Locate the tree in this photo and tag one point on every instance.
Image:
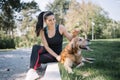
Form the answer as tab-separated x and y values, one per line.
80	15
101	20
7	13
27	25
8	8
59	7
117	30
8	19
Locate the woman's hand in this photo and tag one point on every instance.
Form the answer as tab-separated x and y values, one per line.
58	58
75	32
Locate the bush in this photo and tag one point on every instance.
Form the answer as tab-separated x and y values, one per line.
6	43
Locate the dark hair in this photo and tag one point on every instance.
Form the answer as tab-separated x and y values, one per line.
42	16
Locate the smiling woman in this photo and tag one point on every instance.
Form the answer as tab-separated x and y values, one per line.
52	38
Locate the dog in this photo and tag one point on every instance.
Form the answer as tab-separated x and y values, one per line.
71	54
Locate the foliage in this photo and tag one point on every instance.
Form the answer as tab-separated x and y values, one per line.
27	29
8	25
82	15
59	8
7	43
6	15
85	13
29	5
112	30
26	42
105	67
100	21
13	4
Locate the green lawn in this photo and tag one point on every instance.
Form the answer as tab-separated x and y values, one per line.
105	67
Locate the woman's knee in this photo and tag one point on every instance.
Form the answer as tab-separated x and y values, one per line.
35	46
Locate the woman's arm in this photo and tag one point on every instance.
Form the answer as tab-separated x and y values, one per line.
46	45
68	35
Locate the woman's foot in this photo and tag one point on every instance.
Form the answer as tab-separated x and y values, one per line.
42	68
32	75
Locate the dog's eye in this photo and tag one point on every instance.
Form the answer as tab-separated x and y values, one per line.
80	39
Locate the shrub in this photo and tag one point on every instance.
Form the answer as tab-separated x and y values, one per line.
6	43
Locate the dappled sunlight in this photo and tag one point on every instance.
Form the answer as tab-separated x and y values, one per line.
92	74
84	73
99	77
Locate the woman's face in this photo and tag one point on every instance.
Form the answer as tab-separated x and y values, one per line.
50	20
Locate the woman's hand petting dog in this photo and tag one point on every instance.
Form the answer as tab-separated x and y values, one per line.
58	58
75	32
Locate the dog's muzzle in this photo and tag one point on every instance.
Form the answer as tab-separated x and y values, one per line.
86	47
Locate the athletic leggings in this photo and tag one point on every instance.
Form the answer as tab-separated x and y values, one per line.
40	55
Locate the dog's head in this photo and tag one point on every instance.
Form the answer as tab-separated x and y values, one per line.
80	43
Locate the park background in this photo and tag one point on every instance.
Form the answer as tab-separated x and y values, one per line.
18	20
97	20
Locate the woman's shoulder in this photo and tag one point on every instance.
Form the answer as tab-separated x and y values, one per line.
61	28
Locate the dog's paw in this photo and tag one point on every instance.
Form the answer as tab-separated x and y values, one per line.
70	72
81	64
90	59
91	50
90	62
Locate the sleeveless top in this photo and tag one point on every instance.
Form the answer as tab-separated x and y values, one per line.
55	42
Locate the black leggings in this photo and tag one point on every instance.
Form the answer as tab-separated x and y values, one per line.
40	55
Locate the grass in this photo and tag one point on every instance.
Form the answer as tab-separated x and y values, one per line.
105	67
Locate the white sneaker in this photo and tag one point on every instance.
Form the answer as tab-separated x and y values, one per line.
32	75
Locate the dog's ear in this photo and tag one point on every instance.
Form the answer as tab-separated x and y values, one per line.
73	47
74	41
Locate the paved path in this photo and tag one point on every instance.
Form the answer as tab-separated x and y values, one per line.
14	64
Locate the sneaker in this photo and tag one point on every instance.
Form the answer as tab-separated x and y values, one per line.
42	68
32	75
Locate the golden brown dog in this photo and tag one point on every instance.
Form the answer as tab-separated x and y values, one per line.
71	54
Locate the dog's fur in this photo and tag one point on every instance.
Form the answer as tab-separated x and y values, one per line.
71	54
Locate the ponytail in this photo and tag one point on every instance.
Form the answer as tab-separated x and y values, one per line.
42	16
39	24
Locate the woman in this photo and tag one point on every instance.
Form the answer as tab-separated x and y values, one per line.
52	38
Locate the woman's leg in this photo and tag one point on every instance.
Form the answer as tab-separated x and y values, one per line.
46	58
34	59
40	55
